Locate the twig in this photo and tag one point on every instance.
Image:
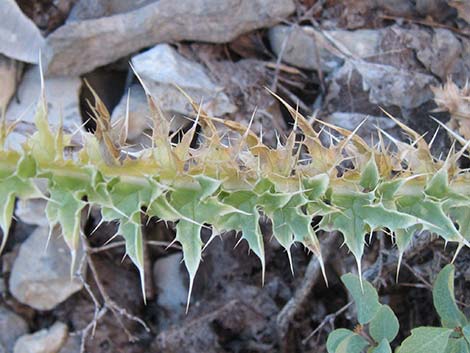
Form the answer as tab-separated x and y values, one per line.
328	319
296	303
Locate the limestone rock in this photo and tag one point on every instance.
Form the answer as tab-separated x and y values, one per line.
162	67
62	95
8	75
12	326
89	9
370	85
40	277
20	39
79	47
309	49
45	341
170	282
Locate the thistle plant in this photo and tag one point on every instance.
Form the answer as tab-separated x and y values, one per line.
226	184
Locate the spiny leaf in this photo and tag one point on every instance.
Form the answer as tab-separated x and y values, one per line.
370	175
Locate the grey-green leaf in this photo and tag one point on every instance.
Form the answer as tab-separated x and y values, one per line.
444	300
383	347
426	340
365	297
384	325
345	341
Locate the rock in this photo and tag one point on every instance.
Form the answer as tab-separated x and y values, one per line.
32	211
368	130
50	283
8	77
62	95
162	67
72	345
385	85
89	9
208	333
46	14
20	39
45	341
12	326
396	7
309	49
171	286
79	47
303	47
438	9
443	54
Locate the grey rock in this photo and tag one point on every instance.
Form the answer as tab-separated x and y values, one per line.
162	67
72	345
368	130
12	326
44	341
385	85
309	49
62	95
396	7
170	281
8	78
303	47
40	276
32	211
79	47
20	39
89	9
443	54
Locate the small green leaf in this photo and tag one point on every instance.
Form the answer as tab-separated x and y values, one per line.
444	299
345	341
384	325
370	175
383	347
316	186
426	340
365	297
466	332
457	345
438	186
131	231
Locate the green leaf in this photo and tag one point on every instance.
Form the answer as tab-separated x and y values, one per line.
247	222
461	215
379	217
466	332
370	175
349	222
10	188
431	215
64	208
444	299
365	297
315	187
457	345
345	341
438	186
384	326
383	347
131	231
426	340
